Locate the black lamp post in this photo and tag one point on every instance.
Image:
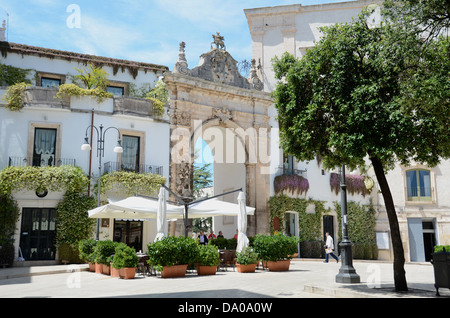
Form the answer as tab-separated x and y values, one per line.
347	274
100	153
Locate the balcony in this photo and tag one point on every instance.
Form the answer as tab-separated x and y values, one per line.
289	171
40	162
45	97
111	166
419	194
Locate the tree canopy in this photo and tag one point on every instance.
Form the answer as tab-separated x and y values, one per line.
368	91
362	91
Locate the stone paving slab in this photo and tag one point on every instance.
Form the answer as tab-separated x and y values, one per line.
305	279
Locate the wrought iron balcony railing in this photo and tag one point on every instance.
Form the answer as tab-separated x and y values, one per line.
49	161
111	166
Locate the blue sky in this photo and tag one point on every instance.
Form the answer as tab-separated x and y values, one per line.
141	30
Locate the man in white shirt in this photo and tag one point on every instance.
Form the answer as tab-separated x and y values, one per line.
329	247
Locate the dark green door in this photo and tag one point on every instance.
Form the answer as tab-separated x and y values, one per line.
38	234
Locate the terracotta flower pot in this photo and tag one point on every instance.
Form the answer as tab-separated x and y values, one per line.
127	272
98	268
91	267
106	269
114	271
206	270
249	268
174	271
279	266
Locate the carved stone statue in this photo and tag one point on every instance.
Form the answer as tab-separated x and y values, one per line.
181	66
218	41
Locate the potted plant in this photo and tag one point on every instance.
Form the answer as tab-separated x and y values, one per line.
277	250
126	260
441	267
114	272
172	255
208	260
103	250
246	261
86	249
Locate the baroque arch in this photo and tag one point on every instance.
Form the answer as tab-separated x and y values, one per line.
214	99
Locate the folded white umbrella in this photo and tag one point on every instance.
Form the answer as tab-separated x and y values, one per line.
161	221
242	239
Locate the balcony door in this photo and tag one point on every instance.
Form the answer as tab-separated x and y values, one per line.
131	153
44	147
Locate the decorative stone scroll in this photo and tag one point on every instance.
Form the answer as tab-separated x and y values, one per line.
218	66
223	114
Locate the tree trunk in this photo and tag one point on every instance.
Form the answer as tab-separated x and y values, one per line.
399	257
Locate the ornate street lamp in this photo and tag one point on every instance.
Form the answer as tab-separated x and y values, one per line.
347	274
100	153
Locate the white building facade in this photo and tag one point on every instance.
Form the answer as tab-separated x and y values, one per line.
49	131
419	191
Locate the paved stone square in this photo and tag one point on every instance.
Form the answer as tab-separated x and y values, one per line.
305	279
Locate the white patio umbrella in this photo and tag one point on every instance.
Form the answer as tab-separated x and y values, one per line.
216	207
242	240
134	208
143	208
161	221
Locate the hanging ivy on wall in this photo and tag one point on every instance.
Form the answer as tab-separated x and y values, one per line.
9	215
64	178
73	223
73	90
295	183
131	182
360	220
310	224
15	96
10	75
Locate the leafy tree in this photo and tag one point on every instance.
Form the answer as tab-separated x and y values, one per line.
429	18
202	178
95	77
345	101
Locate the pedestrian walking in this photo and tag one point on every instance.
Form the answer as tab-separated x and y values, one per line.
329	248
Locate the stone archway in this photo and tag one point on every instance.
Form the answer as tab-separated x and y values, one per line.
214	94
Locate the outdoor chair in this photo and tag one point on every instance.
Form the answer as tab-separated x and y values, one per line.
227	258
143	268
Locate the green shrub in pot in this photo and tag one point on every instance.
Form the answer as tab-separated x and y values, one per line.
124	257
246	257
171	251
87	249
208	255
275	247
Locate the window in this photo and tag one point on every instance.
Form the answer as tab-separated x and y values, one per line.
50	82
131	153
129	232
115	90
288	164
418	185
44	147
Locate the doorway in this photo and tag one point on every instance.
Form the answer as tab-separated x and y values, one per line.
422	239
429	239
129	232
38	234
328	226
291	224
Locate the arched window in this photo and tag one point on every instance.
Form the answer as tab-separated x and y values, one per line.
418	185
